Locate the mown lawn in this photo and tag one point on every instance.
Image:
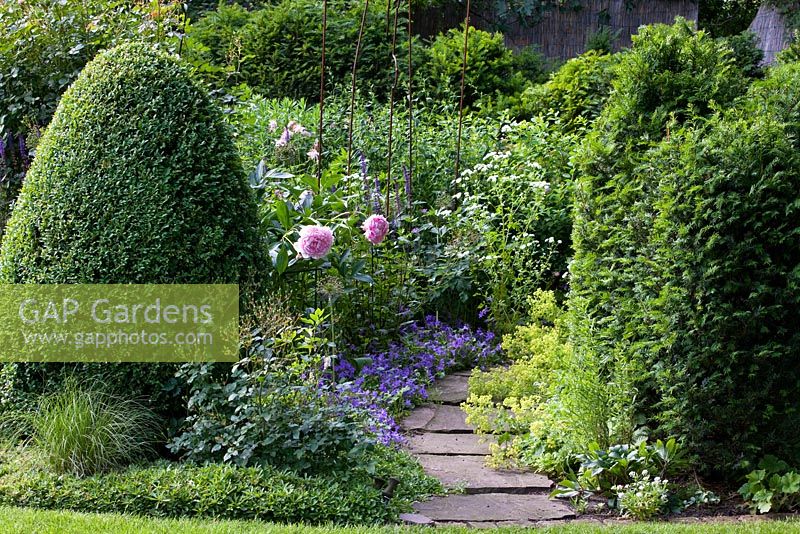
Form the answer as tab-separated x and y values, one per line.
23	520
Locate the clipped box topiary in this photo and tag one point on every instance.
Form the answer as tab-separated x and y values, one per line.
136	180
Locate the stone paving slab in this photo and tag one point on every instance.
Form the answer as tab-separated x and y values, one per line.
419	417
492	508
438	418
415	519
470	473
450	390
485	524
450	444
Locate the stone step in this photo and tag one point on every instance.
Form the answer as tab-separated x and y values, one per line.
470	473
415	519
451	390
493	507
437	418
450	444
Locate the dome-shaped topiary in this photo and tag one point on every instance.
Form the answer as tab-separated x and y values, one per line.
135	181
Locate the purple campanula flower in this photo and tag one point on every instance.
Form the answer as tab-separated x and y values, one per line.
397	377
362	160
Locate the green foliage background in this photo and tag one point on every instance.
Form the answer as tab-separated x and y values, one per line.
276	48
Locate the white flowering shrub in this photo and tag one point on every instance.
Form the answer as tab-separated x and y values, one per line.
513	218
644	498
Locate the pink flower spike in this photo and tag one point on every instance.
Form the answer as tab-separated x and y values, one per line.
313	154
315	242
273	125
375	228
283	140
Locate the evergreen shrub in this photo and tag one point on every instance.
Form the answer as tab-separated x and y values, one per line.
726	237
137	180
575	93
492	69
624	268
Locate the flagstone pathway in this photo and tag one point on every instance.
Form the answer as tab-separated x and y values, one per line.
448	449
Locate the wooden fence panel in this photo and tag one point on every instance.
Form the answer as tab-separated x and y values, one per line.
563	34
770	28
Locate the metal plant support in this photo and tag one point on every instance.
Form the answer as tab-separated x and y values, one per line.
461	98
322	95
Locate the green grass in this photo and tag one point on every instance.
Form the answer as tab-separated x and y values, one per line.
27	521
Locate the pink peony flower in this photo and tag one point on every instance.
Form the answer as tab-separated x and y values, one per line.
315	242
375	228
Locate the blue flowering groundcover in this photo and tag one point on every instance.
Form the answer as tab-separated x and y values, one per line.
397	378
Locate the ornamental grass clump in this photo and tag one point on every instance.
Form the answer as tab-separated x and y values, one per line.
83	431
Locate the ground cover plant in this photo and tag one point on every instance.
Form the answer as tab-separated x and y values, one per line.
221	491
